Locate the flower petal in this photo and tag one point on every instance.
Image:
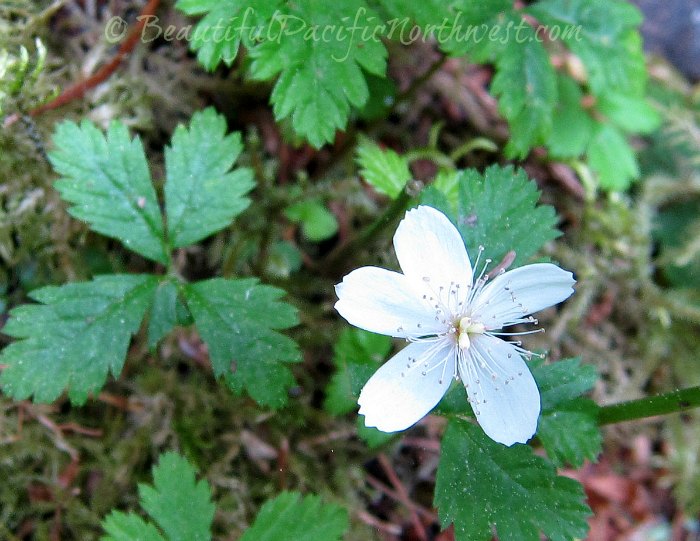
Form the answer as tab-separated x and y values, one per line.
501	390
408	386
384	302
520	292
428	246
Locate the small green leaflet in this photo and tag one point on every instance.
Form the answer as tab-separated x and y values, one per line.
107	180
177	503
163	314
202	196
319	78
568	425
78	334
317	222
291	516
572	125
500	224
239	320
482	485
356	356
610	155
384	170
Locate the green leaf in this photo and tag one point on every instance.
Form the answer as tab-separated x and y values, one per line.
572	125
356	356
289	516
630	113
317	222
163	315
179	504
611	157
568	426
78	334
372	437
603	35
107	180
526	86
226	24
383	169
320	76
238	320
202	196
499	223
129	527
482	485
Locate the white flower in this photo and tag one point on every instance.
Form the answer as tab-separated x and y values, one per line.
452	319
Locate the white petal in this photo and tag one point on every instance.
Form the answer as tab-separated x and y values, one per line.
428	245
384	302
520	292
404	389
501	390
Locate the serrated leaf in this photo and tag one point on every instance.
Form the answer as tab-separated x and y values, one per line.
526	86
78	334
603	36
128	527
630	113
239	320
163	314
355	356
320	78
383	169
612	158
179	504
482	485
202	195
317	222
107	180
501	224
563	381
226	24
572	125
291	516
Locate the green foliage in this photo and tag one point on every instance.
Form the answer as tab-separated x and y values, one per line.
317	222
163	314
78	334
107	180
202	196
178	504
355	356
238	320
501	224
483	485
568	425
572	126
291	516
611	156
383	169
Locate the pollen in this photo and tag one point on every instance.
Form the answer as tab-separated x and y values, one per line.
466	327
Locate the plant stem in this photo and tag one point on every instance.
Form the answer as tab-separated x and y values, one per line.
673	402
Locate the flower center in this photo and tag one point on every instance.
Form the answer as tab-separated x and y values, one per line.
466	327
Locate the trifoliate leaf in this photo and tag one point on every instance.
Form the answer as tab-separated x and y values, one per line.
129	527
611	157
107	180
383	169
526	86
501	224
291	516
238	320
568	426
202	196
572	126
356	357
179	504
320	75
226	24
163	315
78	334
482	485
630	113
317	222
603	36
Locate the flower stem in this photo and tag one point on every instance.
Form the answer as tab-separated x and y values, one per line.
675	401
